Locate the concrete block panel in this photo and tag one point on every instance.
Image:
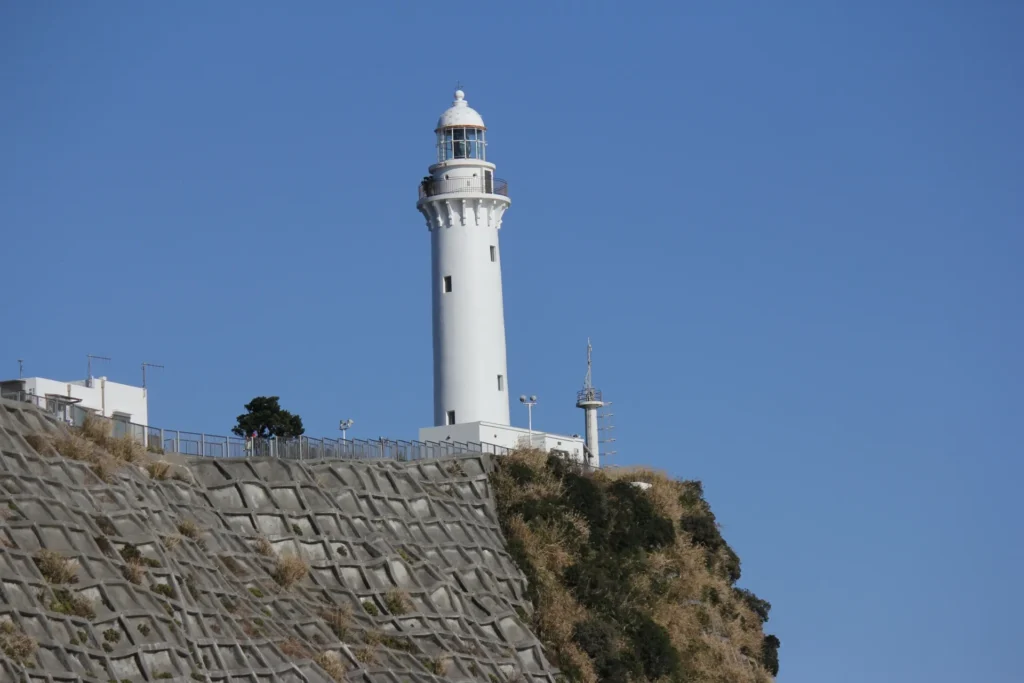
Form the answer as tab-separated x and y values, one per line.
255	570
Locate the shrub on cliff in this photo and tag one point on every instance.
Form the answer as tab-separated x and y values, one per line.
629	584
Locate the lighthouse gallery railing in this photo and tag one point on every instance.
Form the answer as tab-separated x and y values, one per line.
475	185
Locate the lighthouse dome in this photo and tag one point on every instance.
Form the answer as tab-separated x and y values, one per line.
460	114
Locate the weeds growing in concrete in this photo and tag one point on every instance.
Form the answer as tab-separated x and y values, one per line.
40	444
332	665
293	647
437	666
290	570
397	602
365	654
133	572
68	602
17	645
232	565
159	469
264	547
56	568
338	619
190	529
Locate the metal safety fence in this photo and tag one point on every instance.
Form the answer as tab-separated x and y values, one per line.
160	440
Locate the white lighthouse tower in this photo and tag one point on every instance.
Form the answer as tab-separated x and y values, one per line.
463	203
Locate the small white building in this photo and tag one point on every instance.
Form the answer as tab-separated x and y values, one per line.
119	402
505	436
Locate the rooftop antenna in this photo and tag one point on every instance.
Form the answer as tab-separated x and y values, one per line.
90	357
148	365
21	368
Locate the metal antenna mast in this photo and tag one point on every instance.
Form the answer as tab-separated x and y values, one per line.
148	365
21	368
591	401
587	381
88	376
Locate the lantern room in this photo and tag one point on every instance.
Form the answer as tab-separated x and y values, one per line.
461	133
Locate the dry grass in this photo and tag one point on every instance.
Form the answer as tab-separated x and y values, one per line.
16	644
159	470
75	447
293	647
189	529
232	565
438	666
397	602
92	444
172	542
40	444
290	570
133	571
366	654
338	619
264	547
332	665
56	568
123	449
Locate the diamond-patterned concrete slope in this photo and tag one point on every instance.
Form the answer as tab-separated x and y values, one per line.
408	575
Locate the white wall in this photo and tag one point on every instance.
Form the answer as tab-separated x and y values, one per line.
104	396
504	435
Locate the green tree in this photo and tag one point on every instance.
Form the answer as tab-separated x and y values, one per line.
265	416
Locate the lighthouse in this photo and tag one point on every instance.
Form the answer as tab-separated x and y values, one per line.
464	203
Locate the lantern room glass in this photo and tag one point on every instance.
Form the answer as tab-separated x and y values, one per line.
461	143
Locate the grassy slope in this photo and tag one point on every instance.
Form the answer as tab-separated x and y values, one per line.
630	584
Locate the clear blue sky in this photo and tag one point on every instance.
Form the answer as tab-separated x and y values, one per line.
793	231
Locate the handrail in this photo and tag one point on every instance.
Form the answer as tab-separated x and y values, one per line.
161	440
430	187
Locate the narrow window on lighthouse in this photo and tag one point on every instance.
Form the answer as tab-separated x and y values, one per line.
447	283
451	417
501	383
494	253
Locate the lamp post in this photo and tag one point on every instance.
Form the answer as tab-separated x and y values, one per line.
529	403
344	426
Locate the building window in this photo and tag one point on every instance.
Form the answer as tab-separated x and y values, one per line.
494	253
501	383
447	283
451	417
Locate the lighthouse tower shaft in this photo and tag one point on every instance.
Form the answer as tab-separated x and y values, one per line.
463	203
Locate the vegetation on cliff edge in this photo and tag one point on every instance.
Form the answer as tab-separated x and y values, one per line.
630	584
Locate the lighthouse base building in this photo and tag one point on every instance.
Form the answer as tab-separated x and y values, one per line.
507	436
